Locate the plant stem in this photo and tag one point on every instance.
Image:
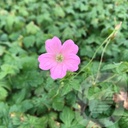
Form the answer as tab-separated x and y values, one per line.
101	59
106	40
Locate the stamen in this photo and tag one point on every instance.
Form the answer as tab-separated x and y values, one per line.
59	58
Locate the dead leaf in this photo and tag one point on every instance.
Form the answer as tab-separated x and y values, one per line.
126	104
122	96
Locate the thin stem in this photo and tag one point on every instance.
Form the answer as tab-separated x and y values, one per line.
108	79
106	40
61	86
101	59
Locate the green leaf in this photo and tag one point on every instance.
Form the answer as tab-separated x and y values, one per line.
26	105
3	93
42	103
27	78
108	123
49	84
123	122
67	116
9	69
74	119
22	121
66	89
16	119
58	103
29	62
4	110
19	96
96	107
111	66
2	50
71	98
2	126
52	117
32	28
66	32
9	22
14	61
93	92
123	67
80	121
5	84
58	11
75	85
2	74
69	86
125	55
29	41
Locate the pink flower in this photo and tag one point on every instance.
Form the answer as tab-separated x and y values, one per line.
59	58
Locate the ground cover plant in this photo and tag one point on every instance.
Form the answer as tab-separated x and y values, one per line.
90	93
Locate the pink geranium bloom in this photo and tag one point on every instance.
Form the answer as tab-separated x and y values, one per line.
59	58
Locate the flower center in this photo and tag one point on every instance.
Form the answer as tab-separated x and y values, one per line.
59	58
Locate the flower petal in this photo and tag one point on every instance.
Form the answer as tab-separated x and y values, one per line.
53	45
69	47
47	61
72	61
59	71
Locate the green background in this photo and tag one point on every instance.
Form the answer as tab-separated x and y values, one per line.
28	96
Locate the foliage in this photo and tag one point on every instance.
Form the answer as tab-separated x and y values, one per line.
29	98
